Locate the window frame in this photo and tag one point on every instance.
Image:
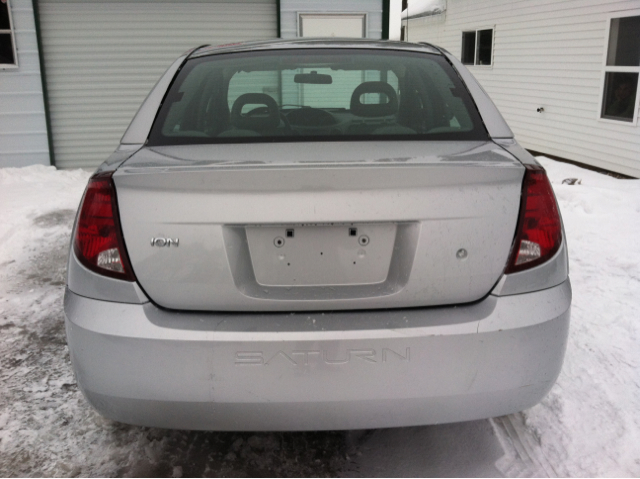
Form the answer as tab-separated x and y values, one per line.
617	69
363	16
11	31
478	132
476	49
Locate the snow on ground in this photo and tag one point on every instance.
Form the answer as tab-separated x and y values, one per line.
589	424
46	426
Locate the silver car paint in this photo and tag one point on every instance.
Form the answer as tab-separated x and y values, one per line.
493	121
122	154
280	44
86	283
444	197
548	274
513	147
343	370
140	126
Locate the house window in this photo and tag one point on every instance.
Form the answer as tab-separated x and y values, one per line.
477	47
7	43
621	71
339	25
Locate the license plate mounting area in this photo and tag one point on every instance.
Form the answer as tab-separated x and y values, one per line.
321	255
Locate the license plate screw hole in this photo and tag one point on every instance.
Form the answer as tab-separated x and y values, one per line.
353	231
290	233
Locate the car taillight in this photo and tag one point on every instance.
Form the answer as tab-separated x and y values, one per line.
539	232
98	243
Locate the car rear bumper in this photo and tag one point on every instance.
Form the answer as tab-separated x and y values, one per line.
142	365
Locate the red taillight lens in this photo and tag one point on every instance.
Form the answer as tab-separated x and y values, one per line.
98	243
539	232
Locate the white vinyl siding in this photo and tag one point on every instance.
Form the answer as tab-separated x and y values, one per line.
546	54
23	129
103	58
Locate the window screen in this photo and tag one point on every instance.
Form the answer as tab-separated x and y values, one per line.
619	95
468	48
477	47
7	47
624	42
620	89
485	45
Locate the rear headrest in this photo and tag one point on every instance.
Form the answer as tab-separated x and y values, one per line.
381	109
263	121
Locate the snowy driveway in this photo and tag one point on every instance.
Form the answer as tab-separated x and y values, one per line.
589	425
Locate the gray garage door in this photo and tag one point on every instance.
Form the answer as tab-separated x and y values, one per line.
102	58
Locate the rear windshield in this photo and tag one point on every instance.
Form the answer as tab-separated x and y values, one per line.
330	95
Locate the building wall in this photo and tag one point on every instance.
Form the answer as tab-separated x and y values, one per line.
23	130
546	54
289	10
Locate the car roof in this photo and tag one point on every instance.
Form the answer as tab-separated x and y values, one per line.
305	43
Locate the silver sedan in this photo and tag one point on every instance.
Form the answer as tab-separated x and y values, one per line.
317	234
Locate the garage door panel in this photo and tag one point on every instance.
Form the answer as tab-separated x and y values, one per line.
103	58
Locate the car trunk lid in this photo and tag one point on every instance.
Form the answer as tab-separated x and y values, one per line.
313	226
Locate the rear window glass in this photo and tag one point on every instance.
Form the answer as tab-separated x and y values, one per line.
297	95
